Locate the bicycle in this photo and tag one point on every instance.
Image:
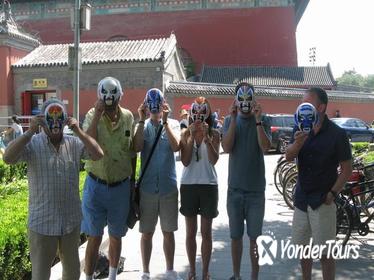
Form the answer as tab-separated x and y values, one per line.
351	206
280	173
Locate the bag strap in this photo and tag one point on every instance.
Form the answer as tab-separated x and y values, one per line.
150	154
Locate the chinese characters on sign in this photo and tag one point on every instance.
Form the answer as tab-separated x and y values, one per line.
39	83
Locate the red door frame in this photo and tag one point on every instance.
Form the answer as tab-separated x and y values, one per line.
26	99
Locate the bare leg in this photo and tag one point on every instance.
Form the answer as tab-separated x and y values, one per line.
236	254
115	246
328	268
206	245
191	229
146	250
92	250
169	249
254	259
306	268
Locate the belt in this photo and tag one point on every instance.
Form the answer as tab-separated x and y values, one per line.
101	181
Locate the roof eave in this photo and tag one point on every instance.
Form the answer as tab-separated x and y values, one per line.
300	7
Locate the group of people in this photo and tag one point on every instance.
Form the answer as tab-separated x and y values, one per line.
110	141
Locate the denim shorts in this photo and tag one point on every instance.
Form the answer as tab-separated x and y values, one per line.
248	207
103	205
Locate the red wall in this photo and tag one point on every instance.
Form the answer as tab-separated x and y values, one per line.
257	36
8	56
4	74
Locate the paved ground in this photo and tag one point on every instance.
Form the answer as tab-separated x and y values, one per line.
277	220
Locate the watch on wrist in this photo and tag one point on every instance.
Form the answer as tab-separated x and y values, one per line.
165	123
259	123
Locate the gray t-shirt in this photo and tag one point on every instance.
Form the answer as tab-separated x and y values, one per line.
246	161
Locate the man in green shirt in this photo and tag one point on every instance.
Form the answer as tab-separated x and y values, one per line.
106	195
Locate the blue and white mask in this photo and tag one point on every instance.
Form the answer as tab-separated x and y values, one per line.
306	117
244	97
154	100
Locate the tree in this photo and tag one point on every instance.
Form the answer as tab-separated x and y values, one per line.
352	78
369	81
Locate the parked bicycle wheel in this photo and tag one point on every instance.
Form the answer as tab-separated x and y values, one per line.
289	188
279	172
344	223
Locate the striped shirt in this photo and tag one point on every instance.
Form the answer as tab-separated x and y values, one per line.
54	203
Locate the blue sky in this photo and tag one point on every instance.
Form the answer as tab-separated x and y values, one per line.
342	32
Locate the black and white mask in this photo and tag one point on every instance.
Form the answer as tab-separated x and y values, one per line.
110	91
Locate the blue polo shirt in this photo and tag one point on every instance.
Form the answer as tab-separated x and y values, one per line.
160	176
317	162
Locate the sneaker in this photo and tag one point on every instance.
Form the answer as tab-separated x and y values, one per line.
235	278
145	276
172	275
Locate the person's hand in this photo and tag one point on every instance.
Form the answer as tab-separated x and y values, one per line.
300	138
192	128
72	124
257	110
165	112
233	110
329	198
205	128
99	108
35	122
142	112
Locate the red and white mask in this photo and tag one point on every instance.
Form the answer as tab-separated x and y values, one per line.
199	111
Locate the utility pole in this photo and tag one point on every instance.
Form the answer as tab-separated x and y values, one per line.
80	21
77	31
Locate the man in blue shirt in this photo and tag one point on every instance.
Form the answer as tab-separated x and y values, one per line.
246	137
318	153
158	191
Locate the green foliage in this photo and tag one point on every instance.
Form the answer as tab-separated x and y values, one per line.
14	252
369	81
9	173
357	146
138	166
369	158
351	77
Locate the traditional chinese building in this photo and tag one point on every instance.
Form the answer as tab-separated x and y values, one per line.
213	32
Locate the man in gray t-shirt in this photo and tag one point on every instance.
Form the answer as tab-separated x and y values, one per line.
246	137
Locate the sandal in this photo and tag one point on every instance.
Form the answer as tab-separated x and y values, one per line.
191	276
207	277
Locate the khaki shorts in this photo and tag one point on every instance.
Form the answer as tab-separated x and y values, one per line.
319	224
44	248
153	206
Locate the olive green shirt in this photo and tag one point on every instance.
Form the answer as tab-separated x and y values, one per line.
116	140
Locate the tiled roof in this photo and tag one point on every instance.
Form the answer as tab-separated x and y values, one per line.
278	76
9	27
102	52
206	89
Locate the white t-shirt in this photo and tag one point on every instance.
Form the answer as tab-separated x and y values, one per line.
18	131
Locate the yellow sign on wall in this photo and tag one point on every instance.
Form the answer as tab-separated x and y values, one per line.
39	83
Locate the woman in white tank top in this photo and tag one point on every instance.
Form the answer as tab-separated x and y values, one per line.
199	186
